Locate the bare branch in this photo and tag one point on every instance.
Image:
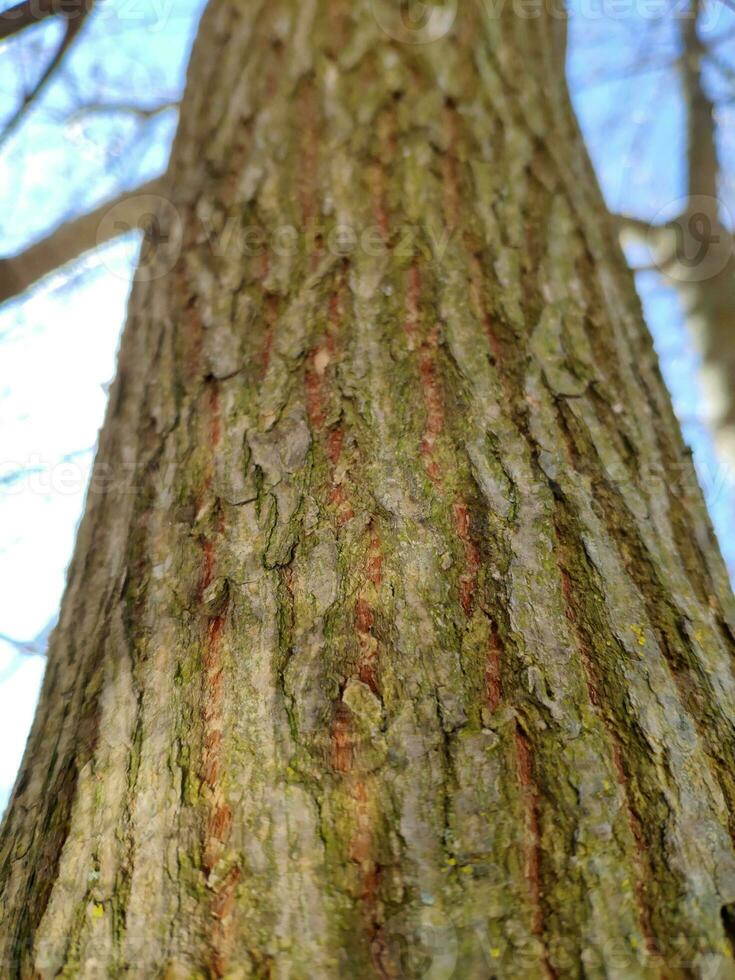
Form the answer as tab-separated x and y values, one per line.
74	23
38	645
661	240
25	14
69	241
635	226
23	472
22	646
122	108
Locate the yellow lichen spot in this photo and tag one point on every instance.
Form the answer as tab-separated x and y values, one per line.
495	952
467	869
639	634
634	942
98	910
451	862
625	882
606	786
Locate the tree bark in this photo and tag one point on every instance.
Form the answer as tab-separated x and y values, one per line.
395	642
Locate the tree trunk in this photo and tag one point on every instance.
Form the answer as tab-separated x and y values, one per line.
396	643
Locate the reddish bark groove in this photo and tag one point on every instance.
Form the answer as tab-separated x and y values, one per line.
375	560
334	443
360	846
413	296
640	861
493	677
361	842
376	174
365	618
468	578
270	313
318	361
433	428
339	26
480	311
308	165
584	653
313	385
223	904
207	572
376	183
434	405
264	263
219	818
338	498
214	413
193	334
343	757
533	852
341	738
265	356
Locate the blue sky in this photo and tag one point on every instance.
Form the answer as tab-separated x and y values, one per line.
58	344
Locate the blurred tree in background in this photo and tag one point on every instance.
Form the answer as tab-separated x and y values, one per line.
654	88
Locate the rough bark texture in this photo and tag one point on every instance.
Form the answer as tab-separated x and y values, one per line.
407	650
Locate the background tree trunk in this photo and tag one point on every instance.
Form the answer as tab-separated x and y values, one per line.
395	642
